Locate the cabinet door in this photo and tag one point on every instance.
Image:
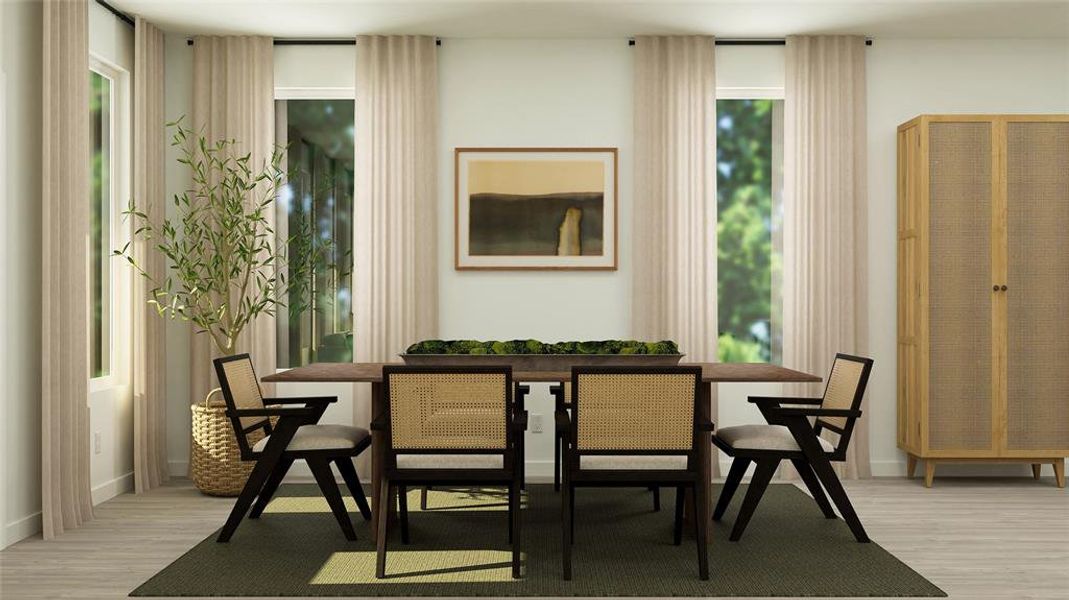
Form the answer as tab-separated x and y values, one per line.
960	403
1037	298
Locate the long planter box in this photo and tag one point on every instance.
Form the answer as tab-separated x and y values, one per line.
544	362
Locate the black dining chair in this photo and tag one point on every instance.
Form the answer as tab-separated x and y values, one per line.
789	435
296	435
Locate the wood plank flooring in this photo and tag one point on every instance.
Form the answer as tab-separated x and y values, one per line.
975	538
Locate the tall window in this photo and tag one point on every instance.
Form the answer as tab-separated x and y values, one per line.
101	135
749	181
317	324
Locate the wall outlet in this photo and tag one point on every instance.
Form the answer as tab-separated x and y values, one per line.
536	423
96	442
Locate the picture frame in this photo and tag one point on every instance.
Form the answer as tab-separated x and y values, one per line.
536	209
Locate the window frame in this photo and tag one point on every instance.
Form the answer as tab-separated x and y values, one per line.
120	173
316	93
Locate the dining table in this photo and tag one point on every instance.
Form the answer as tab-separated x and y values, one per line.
371	373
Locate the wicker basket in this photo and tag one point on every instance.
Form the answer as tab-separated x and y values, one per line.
216	466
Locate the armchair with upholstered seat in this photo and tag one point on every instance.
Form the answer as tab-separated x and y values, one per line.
296	435
789	435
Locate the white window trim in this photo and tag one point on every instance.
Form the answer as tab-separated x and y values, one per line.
315	93
119	232
749	93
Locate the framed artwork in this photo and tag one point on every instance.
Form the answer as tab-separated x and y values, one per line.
535	208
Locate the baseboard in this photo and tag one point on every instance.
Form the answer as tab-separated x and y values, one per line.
109	489
21	529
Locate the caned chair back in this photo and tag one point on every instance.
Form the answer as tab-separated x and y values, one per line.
845	390
448	409
625	410
241	390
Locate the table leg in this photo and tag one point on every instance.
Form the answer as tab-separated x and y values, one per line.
705	463
378	452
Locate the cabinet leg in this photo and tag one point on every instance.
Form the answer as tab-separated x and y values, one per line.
1037	468
911	465
929	472
1059	472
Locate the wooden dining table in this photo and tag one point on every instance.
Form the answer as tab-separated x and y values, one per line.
372	373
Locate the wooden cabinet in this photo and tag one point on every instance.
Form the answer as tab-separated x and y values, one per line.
983	290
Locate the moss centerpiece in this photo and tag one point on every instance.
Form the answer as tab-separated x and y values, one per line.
533	355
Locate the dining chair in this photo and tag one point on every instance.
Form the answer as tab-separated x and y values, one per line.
635	427
450	426
562	402
789	435
295	436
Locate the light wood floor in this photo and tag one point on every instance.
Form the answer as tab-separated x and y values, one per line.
975	538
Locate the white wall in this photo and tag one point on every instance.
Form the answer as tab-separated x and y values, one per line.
20	39
907	78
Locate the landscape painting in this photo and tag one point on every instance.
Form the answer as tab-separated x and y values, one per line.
531	208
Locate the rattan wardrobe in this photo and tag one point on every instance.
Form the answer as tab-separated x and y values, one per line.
983	290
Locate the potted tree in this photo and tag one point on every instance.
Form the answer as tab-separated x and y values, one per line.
225	268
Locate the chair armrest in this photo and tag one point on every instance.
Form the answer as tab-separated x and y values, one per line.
814	412
562	421
522	389
299	411
381	423
766	400
309	400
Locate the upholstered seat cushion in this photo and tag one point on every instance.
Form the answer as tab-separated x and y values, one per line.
450	461
640	462
764	437
321	437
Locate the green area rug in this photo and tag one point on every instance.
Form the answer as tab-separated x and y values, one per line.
460	548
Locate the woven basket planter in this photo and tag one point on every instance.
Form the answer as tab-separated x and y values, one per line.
216	466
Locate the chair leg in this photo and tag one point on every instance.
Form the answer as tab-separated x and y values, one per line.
352	481
381	504
806	473
402	502
762	475
515	492
252	488
269	489
656	498
831	482
325	478
567	529
571	511
738	469
423	493
557	441
677	533
701	530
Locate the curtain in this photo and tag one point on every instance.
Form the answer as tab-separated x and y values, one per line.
149	356
233	98
66	497
674	292
824	241
396	203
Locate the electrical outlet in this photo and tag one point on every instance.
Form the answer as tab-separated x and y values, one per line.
96	442
536	423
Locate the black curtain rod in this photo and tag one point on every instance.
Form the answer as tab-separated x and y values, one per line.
314	42
125	18
741	42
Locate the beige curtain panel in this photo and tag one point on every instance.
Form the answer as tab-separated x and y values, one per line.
674	293
824	249
149	356
396	202
66	497
233	98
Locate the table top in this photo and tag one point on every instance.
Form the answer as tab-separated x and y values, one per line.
711	372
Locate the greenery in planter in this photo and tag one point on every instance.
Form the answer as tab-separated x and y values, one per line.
537	347
225	266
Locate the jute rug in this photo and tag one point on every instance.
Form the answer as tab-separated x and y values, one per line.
460	548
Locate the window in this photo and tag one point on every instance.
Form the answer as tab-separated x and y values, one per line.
101	136
749	181
317	323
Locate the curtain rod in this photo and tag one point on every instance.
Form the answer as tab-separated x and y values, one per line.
314	42
749	42
125	18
